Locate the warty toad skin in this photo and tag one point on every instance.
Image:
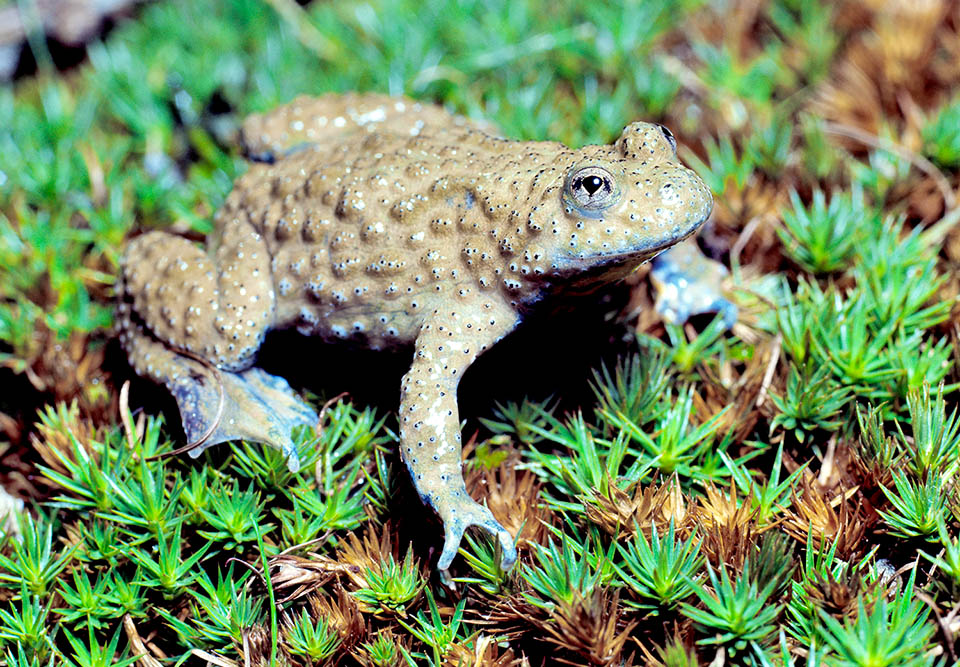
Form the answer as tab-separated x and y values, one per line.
382	222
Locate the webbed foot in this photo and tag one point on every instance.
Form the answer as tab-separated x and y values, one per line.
689	283
459	511
253	405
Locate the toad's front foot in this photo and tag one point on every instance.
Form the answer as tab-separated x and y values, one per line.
688	283
459	511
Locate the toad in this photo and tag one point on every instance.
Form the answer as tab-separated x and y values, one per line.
383	222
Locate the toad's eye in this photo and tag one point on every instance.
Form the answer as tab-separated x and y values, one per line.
592	188
668	135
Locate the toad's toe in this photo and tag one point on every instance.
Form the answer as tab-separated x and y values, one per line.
460	513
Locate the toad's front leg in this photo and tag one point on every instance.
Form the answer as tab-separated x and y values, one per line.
448	342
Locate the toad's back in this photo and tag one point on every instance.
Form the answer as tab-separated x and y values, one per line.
363	230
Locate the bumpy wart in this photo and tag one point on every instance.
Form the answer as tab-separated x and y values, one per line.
384	222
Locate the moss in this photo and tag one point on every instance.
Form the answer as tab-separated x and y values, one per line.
760	492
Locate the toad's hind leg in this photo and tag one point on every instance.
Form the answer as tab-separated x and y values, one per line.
218	308
194	323
217	406
449	340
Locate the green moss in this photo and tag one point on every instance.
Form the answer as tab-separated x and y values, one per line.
845	364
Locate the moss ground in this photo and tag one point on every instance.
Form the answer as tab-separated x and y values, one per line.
782	493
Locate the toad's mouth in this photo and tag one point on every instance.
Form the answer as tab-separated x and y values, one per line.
601	261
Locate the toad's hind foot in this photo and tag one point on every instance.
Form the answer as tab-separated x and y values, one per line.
459	511
256	406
